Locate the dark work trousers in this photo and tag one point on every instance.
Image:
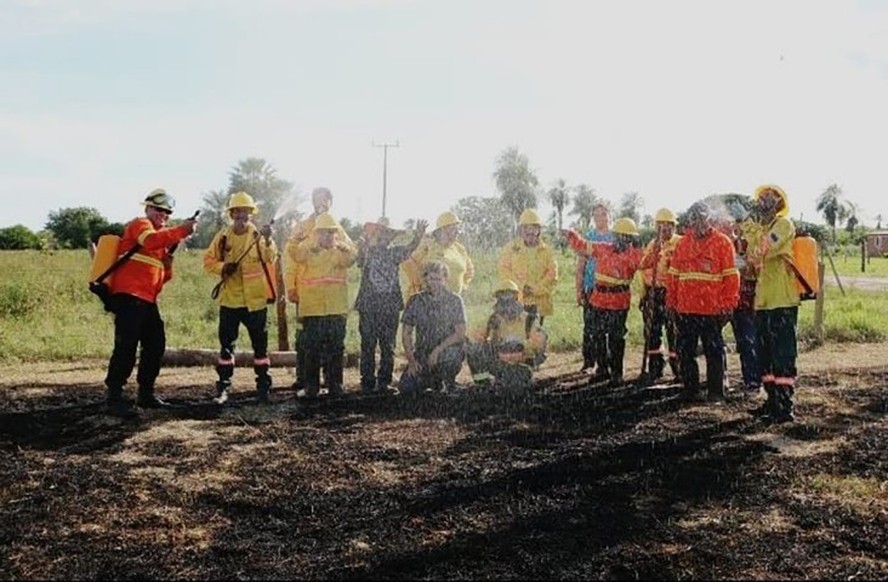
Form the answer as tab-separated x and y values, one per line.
609	339
136	322
256	322
591	350
324	346
777	347
706	329
744	328
442	376
656	322
299	346
377	327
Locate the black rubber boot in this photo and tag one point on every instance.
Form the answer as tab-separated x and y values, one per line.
116	404
147	398
769	407
263	384
783	407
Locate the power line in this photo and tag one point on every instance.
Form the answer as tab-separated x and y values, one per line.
385	147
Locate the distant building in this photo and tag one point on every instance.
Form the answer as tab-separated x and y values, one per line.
877	243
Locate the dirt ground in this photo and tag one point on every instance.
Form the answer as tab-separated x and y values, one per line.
571	481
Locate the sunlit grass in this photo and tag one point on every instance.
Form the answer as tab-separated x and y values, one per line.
47	312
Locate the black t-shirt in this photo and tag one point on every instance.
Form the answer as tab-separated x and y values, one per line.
433	317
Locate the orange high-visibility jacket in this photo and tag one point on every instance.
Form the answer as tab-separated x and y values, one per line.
703	279
661	258
144	274
614	271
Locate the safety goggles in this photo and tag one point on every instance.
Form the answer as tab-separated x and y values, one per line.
162	201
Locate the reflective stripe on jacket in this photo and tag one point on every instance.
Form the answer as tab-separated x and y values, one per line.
531	266
323	273
248	286
144	274
662	259
614	271
703	279
301	232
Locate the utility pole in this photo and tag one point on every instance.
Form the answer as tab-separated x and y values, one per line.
385	147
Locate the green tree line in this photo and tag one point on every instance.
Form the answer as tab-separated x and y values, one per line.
488	221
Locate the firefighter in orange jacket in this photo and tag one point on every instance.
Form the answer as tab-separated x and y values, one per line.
654	269
134	290
242	255
702	288
616	264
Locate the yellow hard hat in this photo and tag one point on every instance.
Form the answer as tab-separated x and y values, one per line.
242	200
665	215
446	219
326	221
158	198
529	216
506	285
777	190
625	226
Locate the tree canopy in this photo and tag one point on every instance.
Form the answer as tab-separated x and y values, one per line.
516	182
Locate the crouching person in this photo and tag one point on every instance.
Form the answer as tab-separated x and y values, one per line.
511	346
433	332
241	254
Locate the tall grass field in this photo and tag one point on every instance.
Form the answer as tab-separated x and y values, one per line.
48	313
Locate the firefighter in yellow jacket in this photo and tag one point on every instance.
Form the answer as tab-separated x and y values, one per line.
321	201
506	352
776	302
241	255
530	263
323	303
442	246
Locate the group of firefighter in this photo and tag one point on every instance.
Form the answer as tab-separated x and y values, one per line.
714	272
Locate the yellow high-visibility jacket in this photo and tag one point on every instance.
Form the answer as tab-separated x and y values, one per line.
776	285
534	267
248	286
301	232
455	256
323	277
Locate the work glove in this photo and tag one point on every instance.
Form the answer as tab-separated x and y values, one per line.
228	269
265	231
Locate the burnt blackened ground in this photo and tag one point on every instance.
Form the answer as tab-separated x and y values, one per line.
569	481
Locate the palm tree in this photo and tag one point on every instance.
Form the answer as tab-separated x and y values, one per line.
833	207
630	205
583	203
559	197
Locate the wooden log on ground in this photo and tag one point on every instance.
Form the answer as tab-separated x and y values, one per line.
205	357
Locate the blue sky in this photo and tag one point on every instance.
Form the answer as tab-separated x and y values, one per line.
104	100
